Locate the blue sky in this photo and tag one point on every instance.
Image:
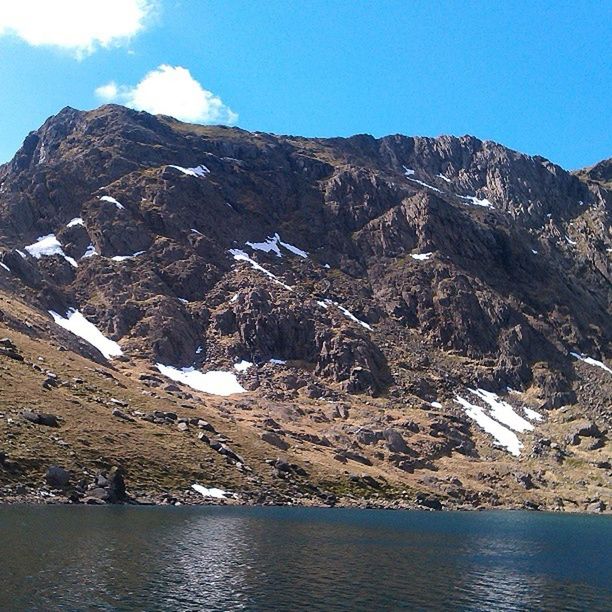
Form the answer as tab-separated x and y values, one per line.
535	76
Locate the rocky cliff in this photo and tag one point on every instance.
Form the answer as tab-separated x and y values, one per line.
390	321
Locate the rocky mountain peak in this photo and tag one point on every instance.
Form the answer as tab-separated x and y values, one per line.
410	270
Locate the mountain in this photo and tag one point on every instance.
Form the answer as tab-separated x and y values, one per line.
402	321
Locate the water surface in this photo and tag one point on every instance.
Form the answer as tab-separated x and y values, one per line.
216	558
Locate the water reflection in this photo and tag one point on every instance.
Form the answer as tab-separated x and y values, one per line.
298	559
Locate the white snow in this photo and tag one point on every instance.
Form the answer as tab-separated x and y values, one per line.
240	255
532	414
195	231
234	298
407	171
444	178
591	361
503	436
199	350
499	419
124	257
292	248
90	251
502	411
112	201
197	171
421	256
570	241
424	184
46	246
272	244
242	366
3	265
346	312
534	251
214	382
477	201
277	361
23	255
183	300
77	324
75	221
210	492
323	304
436	404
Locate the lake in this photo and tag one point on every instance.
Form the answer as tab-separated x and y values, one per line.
233	558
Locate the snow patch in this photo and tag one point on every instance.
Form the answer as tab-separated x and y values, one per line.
532	414
3	265
277	361
477	201
213	382
345	312
210	492
272	244
407	171
240	255
421	256
46	246
200	171
90	251
77	324
424	184
503	436
242	366
124	257
502	411
435	404
591	361
75	221
112	201
444	178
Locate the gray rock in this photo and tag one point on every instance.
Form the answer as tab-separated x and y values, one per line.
57	477
274	439
121	415
395	441
40	418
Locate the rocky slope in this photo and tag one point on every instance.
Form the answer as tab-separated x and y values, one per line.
400	321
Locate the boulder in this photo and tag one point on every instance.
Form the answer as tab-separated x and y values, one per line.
57	477
40	418
395	441
275	440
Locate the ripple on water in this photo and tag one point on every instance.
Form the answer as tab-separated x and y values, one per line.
289	558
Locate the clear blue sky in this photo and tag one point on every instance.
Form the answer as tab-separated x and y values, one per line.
535	76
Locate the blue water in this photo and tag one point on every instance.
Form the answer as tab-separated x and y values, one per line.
220	558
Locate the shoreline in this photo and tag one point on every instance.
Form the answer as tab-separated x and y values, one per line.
183	500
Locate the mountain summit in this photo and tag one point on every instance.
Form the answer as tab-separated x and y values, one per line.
395	321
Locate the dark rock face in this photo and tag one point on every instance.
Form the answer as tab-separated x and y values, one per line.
418	249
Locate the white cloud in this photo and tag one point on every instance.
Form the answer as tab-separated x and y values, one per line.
170	90
107	92
79	26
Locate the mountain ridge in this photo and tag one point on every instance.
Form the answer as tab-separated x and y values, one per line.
407	270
